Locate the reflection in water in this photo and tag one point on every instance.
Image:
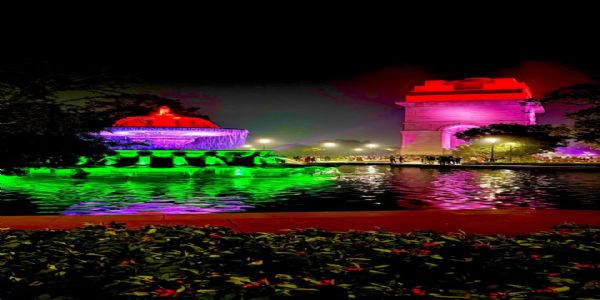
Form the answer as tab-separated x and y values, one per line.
358	188
466	189
156	195
493	189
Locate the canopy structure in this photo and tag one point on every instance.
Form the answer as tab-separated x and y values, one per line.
165	130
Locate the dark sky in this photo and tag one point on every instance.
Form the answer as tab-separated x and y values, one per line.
180	44
305	75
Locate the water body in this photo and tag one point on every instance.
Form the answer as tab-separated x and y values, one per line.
356	188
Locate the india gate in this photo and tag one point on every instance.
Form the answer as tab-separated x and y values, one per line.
436	110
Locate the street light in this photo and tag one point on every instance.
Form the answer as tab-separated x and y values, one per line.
264	142
492	141
372	146
328	145
510	148
247	146
358	149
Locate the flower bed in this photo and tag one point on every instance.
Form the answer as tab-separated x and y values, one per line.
213	262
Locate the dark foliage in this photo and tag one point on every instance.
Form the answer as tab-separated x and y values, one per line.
587	120
532	138
108	262
46	115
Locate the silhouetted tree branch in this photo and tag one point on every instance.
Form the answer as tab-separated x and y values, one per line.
531	138
587	120
46	115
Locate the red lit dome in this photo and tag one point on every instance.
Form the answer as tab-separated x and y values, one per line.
164	117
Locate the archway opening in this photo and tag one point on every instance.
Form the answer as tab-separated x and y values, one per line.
449	140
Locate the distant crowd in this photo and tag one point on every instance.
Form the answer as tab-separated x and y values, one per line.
442	160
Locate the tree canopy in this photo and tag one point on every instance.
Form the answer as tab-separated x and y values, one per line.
46	116
521	139
587	120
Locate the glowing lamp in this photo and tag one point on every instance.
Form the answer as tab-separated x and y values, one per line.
358	149
372	146
264	142
329	145
491	140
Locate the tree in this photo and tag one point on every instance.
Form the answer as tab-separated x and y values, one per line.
46	116
521	140
587	120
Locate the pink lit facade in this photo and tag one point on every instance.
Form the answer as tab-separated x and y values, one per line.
438	109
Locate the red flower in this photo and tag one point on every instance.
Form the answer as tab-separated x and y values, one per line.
326	282
427	245
553	274
498	295
399	251
424	252
482	246
535	256
251	284
215	235
584	266
550	289
261	282
301	253
162	292
127	262
418	292
354	269
148	239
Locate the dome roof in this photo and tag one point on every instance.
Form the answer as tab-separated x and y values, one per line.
164	117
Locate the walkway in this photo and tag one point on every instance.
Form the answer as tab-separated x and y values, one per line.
505	221
557	166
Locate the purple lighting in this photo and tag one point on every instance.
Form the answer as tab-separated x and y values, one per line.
165	130
153	208
166	138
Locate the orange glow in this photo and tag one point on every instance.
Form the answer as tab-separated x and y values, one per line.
470	89
164	111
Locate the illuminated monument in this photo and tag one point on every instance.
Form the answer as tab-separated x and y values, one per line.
164	139
438	109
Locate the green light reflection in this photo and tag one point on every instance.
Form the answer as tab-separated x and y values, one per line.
109	190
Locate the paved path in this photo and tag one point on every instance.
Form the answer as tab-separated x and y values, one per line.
579	167
505	221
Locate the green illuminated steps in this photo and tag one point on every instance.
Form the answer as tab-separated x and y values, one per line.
175	158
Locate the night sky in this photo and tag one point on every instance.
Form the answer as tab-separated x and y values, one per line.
316	75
